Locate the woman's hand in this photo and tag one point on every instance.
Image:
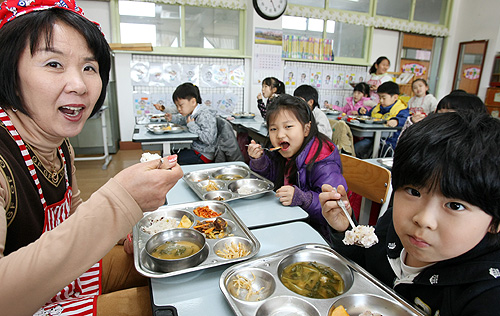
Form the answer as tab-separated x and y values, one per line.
168	117
149	183
255	150
128	245
159	107
331	210
285	194
259	96
392	122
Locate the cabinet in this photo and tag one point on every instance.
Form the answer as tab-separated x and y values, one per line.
492	100
495	74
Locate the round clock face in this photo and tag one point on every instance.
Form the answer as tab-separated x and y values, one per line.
270	9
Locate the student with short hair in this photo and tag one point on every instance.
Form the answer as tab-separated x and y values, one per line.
391	109
310	95
439	246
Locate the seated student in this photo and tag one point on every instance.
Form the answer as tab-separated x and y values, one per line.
391	109
306	159
200	120
310	95
439	246
360	98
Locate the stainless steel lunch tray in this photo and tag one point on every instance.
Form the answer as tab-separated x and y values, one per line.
227	189
362	290
159	128
244	115
238	231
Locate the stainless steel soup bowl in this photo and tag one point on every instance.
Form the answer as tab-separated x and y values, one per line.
174	235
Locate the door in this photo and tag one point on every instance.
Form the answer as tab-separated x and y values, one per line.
469	67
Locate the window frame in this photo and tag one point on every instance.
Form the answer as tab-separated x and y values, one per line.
182	50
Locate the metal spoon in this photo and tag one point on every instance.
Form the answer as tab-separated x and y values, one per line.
346	213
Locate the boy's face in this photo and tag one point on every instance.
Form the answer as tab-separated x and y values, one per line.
434	228
186	106
387	99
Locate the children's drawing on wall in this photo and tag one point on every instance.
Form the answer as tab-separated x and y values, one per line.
303	76
325	100
220	75
139	73
142	106
227	104
316	78
172	74
237	75
350	79
206	99
156	77
191	73
206	76
338	82
327	80
290	77
338	100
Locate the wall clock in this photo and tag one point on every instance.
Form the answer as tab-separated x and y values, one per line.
270	9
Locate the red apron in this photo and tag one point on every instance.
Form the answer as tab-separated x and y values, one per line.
78	297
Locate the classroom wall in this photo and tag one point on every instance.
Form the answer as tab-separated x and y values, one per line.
385	43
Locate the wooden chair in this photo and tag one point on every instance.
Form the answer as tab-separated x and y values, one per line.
370	181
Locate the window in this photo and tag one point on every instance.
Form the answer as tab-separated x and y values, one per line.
346	40
394	8
351	5
310	3
179	26
430	11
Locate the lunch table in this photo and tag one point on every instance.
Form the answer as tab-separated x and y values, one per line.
260	212
371	130
198	293
145	137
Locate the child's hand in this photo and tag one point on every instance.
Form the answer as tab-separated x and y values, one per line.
259	96
285	194
362	110
255	150
331	210
329	106
417	117
392	122
159	107
168	116
189	119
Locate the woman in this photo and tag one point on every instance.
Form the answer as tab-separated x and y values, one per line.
54	71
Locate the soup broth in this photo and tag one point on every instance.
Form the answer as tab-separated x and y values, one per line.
175	250
313	280
228	177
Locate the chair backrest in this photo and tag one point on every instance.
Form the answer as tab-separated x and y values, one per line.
371	181
227	144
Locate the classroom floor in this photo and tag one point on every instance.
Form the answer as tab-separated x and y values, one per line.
91	177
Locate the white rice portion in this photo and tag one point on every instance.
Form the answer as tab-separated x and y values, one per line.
245	190
160	224
361	235
149	156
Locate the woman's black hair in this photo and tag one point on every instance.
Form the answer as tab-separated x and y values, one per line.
455	153
274	83
363	87
188	91
424	81
308	93
373	69
300	109
36	29
459	100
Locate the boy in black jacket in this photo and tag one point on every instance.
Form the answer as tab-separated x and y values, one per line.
440	244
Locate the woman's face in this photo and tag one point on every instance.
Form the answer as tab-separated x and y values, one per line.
60	86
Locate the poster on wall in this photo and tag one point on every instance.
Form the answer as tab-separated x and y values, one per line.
139	73
303	76
172	74
190	73
472	73
290	77
316	77
267	62
237	75
415	68
327	79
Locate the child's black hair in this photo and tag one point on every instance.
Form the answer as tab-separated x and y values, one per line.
424	81
363	87
459	100
373	68
300	109
274	83
389	87
455	153
188	91
308	93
